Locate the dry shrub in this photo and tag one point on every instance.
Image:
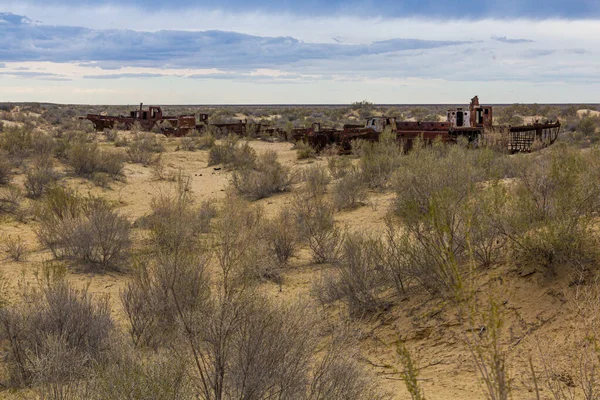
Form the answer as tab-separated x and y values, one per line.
42	145
39	176
16	141
135	375
232	154
87	159
6	168
10	199
143	148
266	178
56	334
432	200
379	160
241	257
111	135
174	222
549	220
86	230
316	180
314	216
14	247
281	236
350	191
206	213
304	151
193	141
338	165
358	278
239	345
164	285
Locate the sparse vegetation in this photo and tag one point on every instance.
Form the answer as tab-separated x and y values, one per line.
143	148
232	154
14	247
56	334
349	191
87	159
39	176
489	256
314	216
266	178
84	229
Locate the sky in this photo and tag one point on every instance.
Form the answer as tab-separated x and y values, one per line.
299	52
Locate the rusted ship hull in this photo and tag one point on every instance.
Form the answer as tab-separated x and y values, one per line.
474	124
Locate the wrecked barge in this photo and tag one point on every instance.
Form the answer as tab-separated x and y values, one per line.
179	125
474	124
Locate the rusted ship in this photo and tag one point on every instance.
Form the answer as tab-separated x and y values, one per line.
474	123
179	125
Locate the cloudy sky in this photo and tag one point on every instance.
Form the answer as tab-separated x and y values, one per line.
268	51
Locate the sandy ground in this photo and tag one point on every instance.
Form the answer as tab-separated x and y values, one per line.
536	309
593	113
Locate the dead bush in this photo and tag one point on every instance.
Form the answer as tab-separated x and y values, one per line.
111	135
10	199
304	151
195	141
350	191
549	219
265	179
174	223
163	287
143	148
6	173
42	145
241	258
314	216
358	278
187	144
316	180
206	213
281	235
14	247
16	141
432	200
379	160
39	176
55	334
338	165
232	154
136	376
87	159
86	230
393	258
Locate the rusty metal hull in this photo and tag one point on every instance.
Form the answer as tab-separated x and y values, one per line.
525	138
